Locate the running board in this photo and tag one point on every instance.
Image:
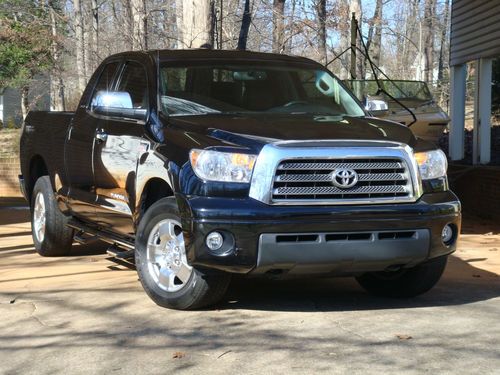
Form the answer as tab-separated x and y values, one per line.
118	253
110	238
83	239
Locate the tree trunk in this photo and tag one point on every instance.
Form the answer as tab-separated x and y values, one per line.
179	21
213	23
95	36
245	26
139	25
444	29
429	20
80	46
321	17
355	7
278	25
56	81
195	23
25	104
375	34
345	27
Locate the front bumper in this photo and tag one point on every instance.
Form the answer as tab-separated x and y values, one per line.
256	226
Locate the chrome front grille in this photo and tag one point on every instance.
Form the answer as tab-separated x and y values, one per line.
305	180
302	172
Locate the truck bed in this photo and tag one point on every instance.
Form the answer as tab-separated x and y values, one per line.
43	135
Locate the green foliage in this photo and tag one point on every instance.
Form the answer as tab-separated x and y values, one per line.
10	123
25	42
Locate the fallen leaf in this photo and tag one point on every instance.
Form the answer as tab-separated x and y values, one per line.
404	337
179	355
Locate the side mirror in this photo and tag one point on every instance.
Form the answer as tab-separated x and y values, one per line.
117	104
377	107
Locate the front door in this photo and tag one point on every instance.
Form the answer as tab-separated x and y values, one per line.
78	152
117	153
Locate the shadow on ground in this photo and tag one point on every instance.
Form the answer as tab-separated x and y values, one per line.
462	283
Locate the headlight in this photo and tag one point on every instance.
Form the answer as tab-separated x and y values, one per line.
222	166
432	164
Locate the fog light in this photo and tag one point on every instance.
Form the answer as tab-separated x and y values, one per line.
214	241
447	234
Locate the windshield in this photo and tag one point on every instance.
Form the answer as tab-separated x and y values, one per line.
401	90
253	88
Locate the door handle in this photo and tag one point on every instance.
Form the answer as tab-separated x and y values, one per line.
101	136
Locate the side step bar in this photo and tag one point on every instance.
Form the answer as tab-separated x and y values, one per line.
95	233
84	239
118	253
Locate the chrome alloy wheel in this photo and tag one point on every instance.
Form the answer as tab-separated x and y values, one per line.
39	217
166	256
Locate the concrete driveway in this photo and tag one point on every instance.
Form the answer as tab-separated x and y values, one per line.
88	314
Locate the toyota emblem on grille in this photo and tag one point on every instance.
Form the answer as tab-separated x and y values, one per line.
344	178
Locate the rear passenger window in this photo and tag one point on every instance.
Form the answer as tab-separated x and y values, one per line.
134	83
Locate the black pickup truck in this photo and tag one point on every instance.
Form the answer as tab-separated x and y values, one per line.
200	164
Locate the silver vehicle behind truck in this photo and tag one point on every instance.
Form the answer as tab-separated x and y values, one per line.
431	120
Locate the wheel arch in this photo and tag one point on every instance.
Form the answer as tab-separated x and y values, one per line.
154	189
37	169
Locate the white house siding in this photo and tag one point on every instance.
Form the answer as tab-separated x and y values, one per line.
475	30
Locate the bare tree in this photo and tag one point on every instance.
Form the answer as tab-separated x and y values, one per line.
139	25
444	33
375	33
80	46
179	21
245	26
321	17
279	26
428	23
195	23
57	100
356	9
94	52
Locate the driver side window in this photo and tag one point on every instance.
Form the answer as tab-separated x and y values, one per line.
104	82
133	81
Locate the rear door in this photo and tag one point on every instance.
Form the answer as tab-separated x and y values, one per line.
117	154
79	147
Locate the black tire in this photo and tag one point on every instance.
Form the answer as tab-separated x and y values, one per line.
57	237
405	283
198	291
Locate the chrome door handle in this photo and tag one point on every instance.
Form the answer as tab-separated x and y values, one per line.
101	136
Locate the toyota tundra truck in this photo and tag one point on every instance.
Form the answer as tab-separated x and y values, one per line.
201	164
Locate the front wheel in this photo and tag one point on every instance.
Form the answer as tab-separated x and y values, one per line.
404	283
162	264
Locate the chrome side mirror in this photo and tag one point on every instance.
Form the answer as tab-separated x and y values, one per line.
117	104
377	107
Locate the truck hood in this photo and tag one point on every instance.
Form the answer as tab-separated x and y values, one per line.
255	130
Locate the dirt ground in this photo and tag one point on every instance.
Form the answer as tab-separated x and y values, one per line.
87	314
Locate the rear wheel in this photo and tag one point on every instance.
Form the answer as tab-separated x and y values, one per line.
51	236
162	264
406	282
